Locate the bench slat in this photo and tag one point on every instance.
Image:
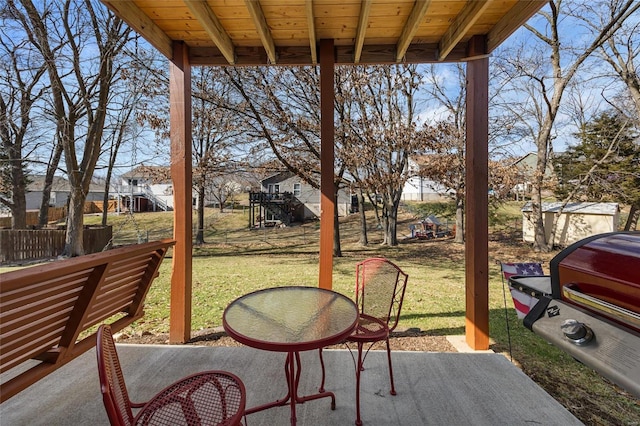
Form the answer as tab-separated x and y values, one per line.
32	318
33	293
45	308
30	346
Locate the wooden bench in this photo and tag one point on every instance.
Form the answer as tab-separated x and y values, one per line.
44	309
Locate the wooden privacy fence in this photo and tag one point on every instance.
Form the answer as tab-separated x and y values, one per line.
25	244
98	206
55	214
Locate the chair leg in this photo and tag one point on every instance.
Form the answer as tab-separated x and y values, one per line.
359	369
393	389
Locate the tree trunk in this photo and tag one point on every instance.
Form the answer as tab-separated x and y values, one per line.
392	226
75	224
337	249
200	221
391	222
18	197
107	184
540	243
384	225
539	233
376	210
364	238
632	220
19	207
43	215
105	200
459	236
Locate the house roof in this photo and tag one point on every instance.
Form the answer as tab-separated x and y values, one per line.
581	208
37	184
432	219
59	184
261	32
158	173
527	161
277	177
527	164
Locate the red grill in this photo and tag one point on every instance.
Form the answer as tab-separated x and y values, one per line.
593	310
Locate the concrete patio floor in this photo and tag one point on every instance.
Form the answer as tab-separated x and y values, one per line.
432	388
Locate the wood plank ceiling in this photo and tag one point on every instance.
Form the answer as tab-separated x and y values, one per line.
286	32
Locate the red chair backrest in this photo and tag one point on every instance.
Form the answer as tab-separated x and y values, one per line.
114	391
380	287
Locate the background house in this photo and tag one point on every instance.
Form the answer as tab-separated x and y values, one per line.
301	199
60	192
419	188
526	166
146	188
575	222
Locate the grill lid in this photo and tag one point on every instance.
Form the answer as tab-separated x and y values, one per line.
601	274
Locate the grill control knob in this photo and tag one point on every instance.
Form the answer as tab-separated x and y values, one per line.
577	332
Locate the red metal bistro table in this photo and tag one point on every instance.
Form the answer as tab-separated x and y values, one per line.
291	320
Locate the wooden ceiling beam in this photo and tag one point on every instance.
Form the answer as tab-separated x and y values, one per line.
209	21
142	24
311	24
410	27
263	29
459	27
363	19
371	54
511	21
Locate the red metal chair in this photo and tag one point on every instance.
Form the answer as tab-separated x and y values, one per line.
380	287
206	398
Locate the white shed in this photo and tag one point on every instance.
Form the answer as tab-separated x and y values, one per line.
575	222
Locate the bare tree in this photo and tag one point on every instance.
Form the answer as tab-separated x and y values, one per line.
128	108
217	147
382	134
346	107
447	164
445	161
215	133
545	70
20	88
622	52
280	109
51	169
223	189
64	33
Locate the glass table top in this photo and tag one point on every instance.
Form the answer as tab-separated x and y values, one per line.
290	318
